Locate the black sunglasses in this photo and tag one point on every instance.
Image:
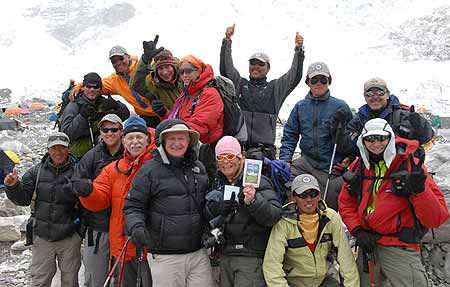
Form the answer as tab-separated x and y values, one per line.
373	138
257	62
56	138
312	193
323	80
187	71
106	130
116	59
96	86
375	92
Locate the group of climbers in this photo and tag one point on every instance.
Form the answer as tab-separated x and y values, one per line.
145	190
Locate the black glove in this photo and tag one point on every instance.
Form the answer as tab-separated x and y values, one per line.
339	120
159	108
140	236
110	104
150	50
81	187
88	111
365	240
223	207
415	183
415	120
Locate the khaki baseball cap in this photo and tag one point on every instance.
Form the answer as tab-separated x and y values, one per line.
117	51
304	182
113	118
260	56
318	68
58	138
375	83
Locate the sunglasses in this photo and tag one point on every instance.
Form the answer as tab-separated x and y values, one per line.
256	62
375	92
116	59
222	157
187	71
57	138
106	130
92	87
323	80
311	193
373	138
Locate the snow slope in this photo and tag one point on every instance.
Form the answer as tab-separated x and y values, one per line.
407	42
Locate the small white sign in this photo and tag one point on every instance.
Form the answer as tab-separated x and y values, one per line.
229	190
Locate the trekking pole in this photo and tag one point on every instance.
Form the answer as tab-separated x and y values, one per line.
370	265
91	133
339	127
140	258
113	269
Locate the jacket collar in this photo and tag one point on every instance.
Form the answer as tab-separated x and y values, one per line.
325	97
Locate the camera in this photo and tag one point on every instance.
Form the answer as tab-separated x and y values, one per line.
214	238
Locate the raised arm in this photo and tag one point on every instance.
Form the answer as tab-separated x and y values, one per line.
227	68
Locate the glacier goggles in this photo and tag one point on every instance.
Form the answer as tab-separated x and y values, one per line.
312	193
374	92
322	79
228	156
106	130
373	138
187	71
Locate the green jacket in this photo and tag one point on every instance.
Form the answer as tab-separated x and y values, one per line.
289	261
147	83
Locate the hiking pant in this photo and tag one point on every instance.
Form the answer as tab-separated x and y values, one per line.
401	266
45	254
302	166
241	271
181	270
95	258
129	274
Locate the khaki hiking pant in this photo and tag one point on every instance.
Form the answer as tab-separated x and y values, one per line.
45	255
181	270
400	266
241	271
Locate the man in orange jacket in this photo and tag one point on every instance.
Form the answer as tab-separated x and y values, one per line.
110	189
118	83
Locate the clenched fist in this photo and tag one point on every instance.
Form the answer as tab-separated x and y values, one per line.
12	178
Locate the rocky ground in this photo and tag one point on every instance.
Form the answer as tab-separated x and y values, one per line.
29	142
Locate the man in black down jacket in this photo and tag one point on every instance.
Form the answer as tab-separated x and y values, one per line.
96	245
163	210
259	99
54	210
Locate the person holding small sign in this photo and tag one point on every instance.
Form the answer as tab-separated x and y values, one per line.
248	212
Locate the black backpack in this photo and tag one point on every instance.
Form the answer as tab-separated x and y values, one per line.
65	101
234	122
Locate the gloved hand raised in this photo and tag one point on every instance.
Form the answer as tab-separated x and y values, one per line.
223	207
415	183
150	50
365	240
140	236
110	104
159	108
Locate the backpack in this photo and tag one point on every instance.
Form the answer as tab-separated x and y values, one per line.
233	122
65	101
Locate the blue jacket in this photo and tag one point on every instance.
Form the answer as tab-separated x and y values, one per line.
402	126
312	119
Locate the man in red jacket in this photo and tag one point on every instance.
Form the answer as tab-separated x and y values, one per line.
386	203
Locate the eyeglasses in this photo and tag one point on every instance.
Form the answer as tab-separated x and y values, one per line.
323	80
311	193
222	157
257	62
373	138
116	59
187	71
92	86
57	138
375	92
106	130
